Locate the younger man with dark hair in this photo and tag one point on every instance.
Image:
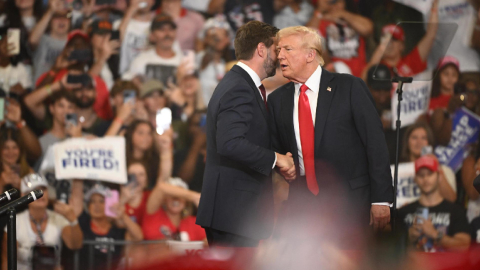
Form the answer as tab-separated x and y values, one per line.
433	223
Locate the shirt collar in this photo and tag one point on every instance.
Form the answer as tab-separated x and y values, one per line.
251	73
313	82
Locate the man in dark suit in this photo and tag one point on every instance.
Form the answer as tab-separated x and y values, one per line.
236	206
329	123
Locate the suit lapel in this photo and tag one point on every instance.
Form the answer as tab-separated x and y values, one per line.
323	104
256	92
287	114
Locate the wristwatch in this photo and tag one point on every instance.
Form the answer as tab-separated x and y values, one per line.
439	237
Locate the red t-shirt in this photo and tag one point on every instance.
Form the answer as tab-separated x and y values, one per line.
102	103
137	214
439	102
345	45
158	225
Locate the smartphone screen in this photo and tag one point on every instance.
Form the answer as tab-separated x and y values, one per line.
63	191
132	181
83	55
421	214
83	79
2	109
129	96
163	120
44	257
13	37
71	118
111	199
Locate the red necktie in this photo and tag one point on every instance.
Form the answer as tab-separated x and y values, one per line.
264	95
307	139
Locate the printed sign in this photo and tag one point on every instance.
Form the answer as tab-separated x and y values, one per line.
416	99
465	130
407	190
99	159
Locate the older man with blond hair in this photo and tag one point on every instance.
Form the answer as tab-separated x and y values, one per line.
329	123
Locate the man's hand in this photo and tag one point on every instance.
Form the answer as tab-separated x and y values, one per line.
379	216
414	233
13	111
65	210
286	166
428	229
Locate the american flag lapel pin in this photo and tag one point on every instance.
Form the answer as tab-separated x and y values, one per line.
329	89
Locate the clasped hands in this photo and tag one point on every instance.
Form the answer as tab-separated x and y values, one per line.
285	166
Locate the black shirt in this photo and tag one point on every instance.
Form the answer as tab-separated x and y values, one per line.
100	252
446	217
475	225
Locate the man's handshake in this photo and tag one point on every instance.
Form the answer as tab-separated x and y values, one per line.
286	166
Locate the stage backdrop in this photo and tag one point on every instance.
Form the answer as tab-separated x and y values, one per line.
98	159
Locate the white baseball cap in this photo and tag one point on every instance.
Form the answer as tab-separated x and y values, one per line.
32	181
177	181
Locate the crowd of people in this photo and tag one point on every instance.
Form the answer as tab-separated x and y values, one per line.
79	63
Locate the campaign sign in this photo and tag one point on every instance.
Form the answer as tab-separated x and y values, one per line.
99	159
416	99
188	248
465	130
407	190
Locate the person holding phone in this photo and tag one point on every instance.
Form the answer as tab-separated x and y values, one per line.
97	226
446	227
40	226
416	139
135	193
13	160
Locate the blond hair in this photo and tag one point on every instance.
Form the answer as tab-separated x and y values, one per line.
311	39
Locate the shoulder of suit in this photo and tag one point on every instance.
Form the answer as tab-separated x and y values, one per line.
282	89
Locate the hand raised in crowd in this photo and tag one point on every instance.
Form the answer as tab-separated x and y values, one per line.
109	47
62	61
125	111
11	175
13	111
165	141
65	210
56	6
140	112
286	166
134	5
379	216
174	94
17	89
74	131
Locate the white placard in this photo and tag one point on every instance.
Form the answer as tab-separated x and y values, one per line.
407	190
98	159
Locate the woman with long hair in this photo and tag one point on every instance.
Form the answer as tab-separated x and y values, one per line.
443	84
417	139
140	147
13	161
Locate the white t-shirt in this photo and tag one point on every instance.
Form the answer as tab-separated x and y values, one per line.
210	76
11	75
139	65
462	13
27	238
134	42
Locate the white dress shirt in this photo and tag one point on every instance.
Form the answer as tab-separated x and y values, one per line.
313	84
257	82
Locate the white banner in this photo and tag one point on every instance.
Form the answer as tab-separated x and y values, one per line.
416	99
407	189
98	159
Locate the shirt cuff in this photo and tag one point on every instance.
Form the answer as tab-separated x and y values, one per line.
275	162
383	203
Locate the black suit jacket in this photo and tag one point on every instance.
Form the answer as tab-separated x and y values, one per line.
349	139
237	194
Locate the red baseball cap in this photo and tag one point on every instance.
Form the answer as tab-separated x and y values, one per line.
428	162
395	30
449	60
76	33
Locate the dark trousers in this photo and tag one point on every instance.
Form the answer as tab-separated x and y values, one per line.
225	239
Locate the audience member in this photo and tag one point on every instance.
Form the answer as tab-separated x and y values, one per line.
216	36
344	33
97	226
447	75
40	231
152	95
292	13
433	223
84	98
418	140
134	31
49	36
135	193
165	213
163	34
189	22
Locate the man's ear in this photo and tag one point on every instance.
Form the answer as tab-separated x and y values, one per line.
261	50
311	55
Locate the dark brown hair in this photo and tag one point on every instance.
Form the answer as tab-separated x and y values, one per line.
405	155
436	84
250	35
9	134
68	95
